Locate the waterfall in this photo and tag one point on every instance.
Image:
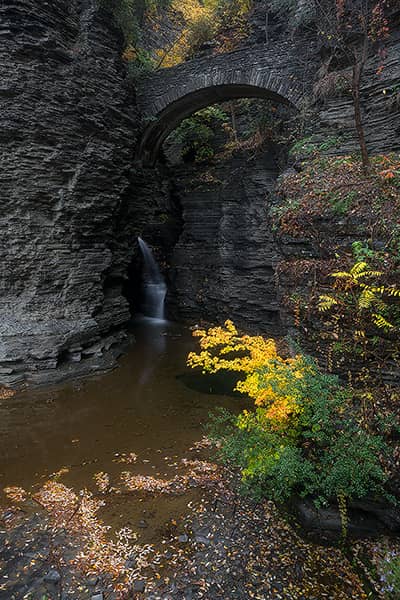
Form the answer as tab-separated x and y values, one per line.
154	286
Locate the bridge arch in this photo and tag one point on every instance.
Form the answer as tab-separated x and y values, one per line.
171	95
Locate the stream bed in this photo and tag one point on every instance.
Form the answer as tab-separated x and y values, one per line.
147	417
152	406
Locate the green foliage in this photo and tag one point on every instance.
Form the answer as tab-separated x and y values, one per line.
390	575
128	15
323	453
307	147
362	251
341	204
201	30
199	21
361	294
141	65
197	133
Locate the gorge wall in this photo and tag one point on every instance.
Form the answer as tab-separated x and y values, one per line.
68	130
73	202
223	263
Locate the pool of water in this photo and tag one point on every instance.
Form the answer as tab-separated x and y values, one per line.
152	405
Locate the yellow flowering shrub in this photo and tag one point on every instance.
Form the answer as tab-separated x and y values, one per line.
268	377
303	435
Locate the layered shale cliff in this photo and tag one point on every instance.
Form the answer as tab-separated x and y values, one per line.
68	128
73	202
223	263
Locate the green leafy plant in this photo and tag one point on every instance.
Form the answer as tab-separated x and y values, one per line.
303	436
196	134
328	455
358	292
362	251
128	15
309	147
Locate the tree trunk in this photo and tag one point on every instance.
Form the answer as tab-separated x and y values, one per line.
234	124
358	69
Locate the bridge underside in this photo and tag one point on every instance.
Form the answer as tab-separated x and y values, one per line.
168	96
168	119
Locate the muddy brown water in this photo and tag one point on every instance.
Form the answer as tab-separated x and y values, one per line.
152	405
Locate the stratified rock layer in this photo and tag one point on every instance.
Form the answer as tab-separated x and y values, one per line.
72	205
68	127
223	263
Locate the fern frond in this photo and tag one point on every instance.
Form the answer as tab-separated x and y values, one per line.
342	275
381	322
326	302
376	290
358	268
395	292
370	274
380	304
359	333
367	298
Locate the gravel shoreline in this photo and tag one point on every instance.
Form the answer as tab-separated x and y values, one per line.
227	548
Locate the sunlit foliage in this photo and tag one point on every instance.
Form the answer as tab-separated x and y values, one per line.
303	436
268	377
201	22
358	290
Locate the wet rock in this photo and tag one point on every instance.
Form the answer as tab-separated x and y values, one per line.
201	539
143	524
98	596
365	518
63	177
183	539
223	263
52	576
188	593
92	581
139	586
388	515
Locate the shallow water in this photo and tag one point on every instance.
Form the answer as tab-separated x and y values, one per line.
152	405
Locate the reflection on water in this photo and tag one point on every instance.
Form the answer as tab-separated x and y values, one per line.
150	405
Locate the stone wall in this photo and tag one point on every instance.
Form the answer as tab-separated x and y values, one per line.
223	264
380	98
68	129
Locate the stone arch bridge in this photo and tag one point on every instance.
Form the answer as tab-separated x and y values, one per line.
165	98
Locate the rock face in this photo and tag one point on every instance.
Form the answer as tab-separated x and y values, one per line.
380	103
223	264
68	127
282	71
72	204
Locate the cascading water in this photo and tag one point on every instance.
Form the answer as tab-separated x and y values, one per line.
154	286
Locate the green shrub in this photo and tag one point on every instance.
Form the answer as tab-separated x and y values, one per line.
390	576
201	30
142	64
325	455
128	15
197	133
308	147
